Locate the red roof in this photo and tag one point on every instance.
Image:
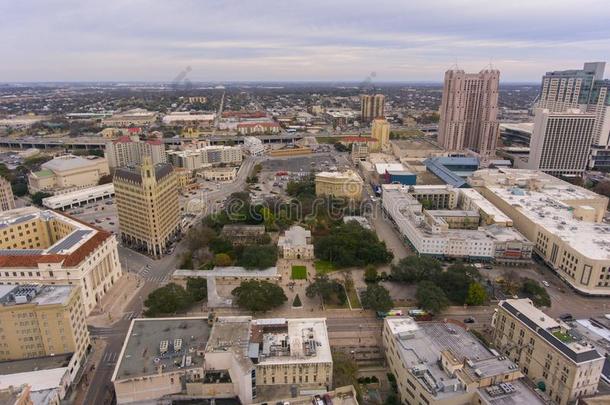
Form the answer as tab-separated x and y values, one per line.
123	139
134	130
243	114
154	142
256	124
358	139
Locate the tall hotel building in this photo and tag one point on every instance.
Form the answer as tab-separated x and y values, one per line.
468	112
561	142
147	201
372	107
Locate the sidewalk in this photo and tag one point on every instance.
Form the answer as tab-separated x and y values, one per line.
112	305
98	347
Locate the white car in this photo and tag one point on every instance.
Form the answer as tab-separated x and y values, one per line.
545	283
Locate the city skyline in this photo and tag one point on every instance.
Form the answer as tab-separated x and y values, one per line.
308	41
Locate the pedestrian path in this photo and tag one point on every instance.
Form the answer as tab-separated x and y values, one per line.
110	358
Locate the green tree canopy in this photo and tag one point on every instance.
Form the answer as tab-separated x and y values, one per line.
222	260
166	300
477	295
325	288
38	196
351	245
377	298
537	293
412	269
431	297
197	288
258	296
258	256
370	274
297	301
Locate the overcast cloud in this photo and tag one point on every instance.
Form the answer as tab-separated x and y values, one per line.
400	40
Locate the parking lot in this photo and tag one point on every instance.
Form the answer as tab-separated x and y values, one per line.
102	214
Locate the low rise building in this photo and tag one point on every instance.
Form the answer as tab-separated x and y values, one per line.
128	151
131	118
296	244
240	234
346	184
290	150
563	221
49	248
68	173
7	200
440	363
247	128
194	159
189	120
147	202
253	146
43	320
427	218
547	351
220	174
79	197
235	358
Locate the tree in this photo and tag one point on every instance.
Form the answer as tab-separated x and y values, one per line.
326	289
603	188
197	287
345	370
258	257
476	294
258	296
19	189
431	297
297	301
167	299
222	260
370	274
537	293
351	245
38	196
105	179
412	269
377	298
455	281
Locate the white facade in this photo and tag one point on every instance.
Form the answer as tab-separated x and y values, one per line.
78	197
253	146
561	142
127	151
194	159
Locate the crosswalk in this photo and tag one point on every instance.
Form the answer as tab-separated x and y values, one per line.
131	315
110	358
145	273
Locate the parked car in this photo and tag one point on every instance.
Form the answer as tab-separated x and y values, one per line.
567	317
470	319
545	283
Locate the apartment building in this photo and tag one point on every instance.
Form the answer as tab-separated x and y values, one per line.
561	142
68	173
237	357
194	159
429	220
43	320
147	202
128	151
547	351
440	363
563	221
346	184
7	200
49	248
371	107
380	131
468	112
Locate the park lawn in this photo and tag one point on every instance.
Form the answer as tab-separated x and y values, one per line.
324	267
352	296
334	303
299	273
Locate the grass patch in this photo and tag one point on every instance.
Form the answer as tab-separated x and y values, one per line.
299	273
352	296
335	303
564	337
324	267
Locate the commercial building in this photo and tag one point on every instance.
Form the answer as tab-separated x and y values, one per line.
49	248
440	363
128	151
220	174
253	146
468	112
564	221
7	200
194	159
548	352
380	131
147	202
247	128
131	118
189	120
68	173
346	184
43	320
290	150
452	170
371	107
296	244
78	197
236	358
561	142
441	230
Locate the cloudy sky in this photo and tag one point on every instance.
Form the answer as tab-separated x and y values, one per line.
221	40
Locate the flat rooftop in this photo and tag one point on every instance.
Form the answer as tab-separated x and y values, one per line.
295	236
547	209
169	343
38	294
416	143
547	328
35	363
